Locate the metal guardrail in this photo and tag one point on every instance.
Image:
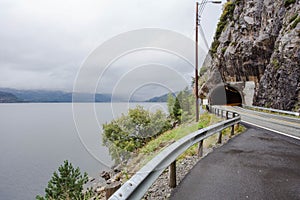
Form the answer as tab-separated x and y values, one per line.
273	110
137	185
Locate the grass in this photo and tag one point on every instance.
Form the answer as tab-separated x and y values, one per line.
211	141
154	147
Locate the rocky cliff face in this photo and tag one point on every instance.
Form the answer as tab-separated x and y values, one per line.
259	40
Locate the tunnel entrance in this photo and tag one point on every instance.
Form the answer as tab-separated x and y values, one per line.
225	95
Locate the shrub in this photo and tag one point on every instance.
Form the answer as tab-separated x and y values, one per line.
275	63
130	132
203	70
294	24
293	17
287	3
224	49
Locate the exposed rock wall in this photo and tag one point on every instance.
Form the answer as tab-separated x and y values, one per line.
279	87
259	42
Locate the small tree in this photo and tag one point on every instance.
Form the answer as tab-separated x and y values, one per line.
170	102
67	184
177	110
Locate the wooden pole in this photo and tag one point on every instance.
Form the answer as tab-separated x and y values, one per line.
110	189
232	130
196	65
200	148
172	175
220	137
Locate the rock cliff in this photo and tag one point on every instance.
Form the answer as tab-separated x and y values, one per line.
259	41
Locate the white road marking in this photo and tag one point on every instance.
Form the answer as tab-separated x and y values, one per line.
281	133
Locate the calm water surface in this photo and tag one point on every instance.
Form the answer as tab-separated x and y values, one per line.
37	138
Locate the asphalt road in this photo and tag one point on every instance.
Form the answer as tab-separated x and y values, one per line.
257	164
281	124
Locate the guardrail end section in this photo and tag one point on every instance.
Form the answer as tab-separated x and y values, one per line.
124	191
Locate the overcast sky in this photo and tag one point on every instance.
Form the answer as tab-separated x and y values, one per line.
44	42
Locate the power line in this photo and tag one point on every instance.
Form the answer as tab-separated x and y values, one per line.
201	9
203	36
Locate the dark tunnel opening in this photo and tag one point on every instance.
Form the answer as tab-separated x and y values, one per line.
225	95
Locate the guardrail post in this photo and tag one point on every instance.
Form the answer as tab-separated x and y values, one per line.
220	137
111	189
200	148
232	130
226	114
172	174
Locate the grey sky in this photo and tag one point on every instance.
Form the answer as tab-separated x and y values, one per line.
44	42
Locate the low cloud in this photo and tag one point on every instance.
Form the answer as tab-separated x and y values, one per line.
44	43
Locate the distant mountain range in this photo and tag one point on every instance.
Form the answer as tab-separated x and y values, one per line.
162	98
8	95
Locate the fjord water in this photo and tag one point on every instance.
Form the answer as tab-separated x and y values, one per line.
37	138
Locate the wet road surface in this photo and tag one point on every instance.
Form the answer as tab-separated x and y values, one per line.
257	164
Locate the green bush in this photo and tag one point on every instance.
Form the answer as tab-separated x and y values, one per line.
214	46
287	3
233	44
130	132
294	24
224	49
203	70
293	17
275	63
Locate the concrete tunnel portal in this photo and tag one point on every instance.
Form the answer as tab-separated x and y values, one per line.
225	95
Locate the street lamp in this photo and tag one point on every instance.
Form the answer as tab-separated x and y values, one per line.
198	15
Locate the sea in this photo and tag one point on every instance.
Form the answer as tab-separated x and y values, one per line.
36	138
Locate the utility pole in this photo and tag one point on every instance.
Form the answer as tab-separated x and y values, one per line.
196	63
196	50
